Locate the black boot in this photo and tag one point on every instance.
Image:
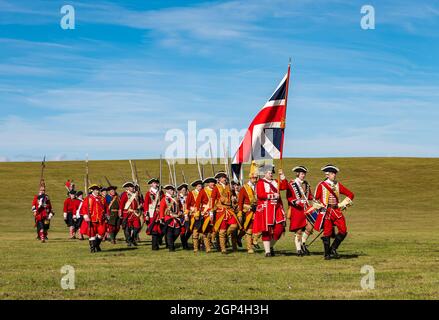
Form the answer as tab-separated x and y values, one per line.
272	251
326	247
338	239
134	238
305	249
239	242
155	242
97	244
92	246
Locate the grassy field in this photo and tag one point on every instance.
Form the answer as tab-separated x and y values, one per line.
393	226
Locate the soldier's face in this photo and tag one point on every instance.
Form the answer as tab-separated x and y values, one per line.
211	184
171	192
104	193
223	180
154	185
269	175
253	179
199	187
301	175
95	192
131	189
331	175
72	196
112	192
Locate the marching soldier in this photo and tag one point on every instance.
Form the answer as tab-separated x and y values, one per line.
129	211
94	208
43	213
169	213
328	193
195	221
182	194
150	207
152	215
226	223
113	214
246	209
204	213
79	217
70	207
298	195
270	215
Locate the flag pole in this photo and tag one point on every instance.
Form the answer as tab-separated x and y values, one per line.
286	101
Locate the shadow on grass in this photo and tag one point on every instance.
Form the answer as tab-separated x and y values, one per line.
119	249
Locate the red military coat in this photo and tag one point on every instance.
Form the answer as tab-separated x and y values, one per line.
95	207
246	198
148	210
41	207
331	199
169	207
71	205
269	211
222	203
298	192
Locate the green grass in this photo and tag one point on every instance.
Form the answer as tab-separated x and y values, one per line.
393	226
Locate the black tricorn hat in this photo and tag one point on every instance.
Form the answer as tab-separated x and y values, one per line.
169	187
111	188
104	188
128	184
181	186
196	182
72	192
150	181
300	169
79	193
94	187
220	174
209	180
330	168
235	183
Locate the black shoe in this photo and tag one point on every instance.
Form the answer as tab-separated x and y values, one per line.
97	245
135	243
305	250
300	253
334	254
92	247
328	257
239	242
272	251
268	254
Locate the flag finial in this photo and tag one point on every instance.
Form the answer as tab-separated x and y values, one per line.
289	60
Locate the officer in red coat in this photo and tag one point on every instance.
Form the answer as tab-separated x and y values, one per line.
43	213
169	213
130	212
150	207
94	210
299	196
70	207
328	193
270	214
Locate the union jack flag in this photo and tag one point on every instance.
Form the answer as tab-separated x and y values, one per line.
265	136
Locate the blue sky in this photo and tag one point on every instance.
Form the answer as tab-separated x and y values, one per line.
131	70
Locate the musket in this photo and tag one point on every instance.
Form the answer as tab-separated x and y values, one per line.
86	175
199	169
170	178
184	177
108	181
43	165
211	160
